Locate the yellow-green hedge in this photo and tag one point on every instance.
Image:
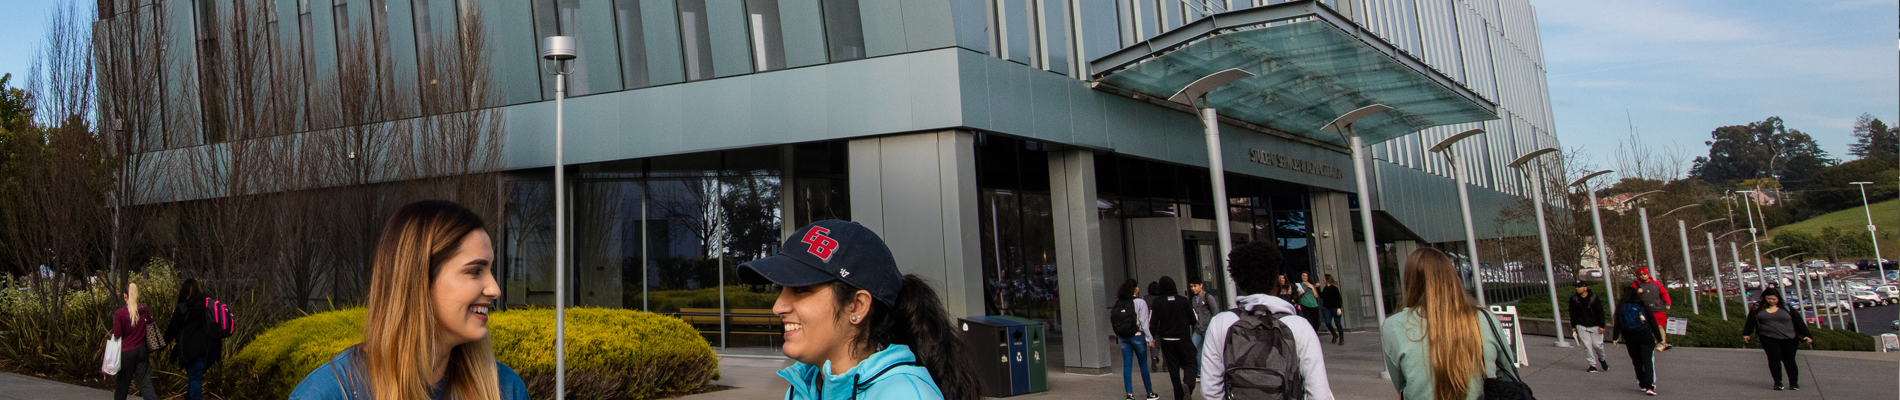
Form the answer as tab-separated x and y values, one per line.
611	353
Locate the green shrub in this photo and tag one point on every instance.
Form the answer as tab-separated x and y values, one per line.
60	332
612	353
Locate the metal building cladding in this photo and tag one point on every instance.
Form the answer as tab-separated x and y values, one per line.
1020	154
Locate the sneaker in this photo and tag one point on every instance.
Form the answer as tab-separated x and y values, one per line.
1132	397
1593	368
1651	392
1152	396
1605	364
1794	387
1779	387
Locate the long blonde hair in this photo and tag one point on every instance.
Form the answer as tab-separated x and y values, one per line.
399	329
1434	291
132	302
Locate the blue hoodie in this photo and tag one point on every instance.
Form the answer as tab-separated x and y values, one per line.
892	373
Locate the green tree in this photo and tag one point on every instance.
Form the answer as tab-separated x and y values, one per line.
1874	139
1831	190
1760	149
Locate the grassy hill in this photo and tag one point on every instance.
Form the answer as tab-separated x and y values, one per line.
1853	221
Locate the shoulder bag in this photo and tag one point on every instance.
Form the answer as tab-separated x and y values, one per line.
1507	385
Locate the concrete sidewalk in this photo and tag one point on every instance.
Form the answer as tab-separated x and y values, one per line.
21	387
1554	373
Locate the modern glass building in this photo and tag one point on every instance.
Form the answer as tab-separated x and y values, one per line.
1021	154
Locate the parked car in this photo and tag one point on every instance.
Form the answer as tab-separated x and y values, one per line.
1863	299
1868	264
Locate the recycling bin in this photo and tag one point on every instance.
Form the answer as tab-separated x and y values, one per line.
1038	361
990	352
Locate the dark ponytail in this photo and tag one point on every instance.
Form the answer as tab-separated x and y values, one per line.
918	320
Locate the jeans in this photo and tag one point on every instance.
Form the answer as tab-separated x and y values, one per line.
1330	317
1135	348
135	365
1198	338
1781	356
195	375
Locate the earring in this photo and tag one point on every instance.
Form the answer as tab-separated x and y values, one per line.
854	319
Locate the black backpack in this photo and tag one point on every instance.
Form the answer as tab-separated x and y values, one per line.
1122	318
1261	361
217	319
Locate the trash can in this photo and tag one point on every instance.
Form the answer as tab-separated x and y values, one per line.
990	352
1038	357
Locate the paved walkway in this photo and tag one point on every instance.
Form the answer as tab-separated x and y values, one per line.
1554	373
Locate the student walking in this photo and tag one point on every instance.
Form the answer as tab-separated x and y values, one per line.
1441	345
1260	349
1308	299
1173	322
1586	317
1331	310
193	348
858	327
1656	301
430	287
129	324
1636	328
1130	317
1780	328
1205	306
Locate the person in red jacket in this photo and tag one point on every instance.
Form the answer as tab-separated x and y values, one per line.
1656	299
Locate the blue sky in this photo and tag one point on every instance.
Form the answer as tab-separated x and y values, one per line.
1682	68
1679	68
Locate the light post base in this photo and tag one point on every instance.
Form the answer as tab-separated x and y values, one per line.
1563	344
1384	374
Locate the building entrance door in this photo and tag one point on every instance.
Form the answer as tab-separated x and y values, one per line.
1202	259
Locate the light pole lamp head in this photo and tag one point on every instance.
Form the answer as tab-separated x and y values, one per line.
1586	177
1339	124
1527	157
559	50
1860	183
1446	144
1200	87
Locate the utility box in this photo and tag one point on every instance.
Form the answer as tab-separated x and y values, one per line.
1038	357
994	356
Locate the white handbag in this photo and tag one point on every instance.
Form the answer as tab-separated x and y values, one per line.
111	366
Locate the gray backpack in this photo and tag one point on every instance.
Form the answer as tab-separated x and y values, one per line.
1261	360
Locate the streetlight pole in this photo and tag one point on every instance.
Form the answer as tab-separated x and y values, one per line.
1464	204
1695	297
560	51
1879	263
1360	162
1649	251
1195	94
1543	235
1603	251
1715	268
1748	204
1740	284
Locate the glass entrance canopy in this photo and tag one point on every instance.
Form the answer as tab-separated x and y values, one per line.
1311	65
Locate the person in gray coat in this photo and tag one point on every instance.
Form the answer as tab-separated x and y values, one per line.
1205	306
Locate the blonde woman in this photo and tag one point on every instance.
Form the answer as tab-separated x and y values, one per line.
135	360
1440	346
426	331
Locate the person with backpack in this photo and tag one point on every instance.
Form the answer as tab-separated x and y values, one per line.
859	327
1260	349
1656	301
1172	323
1586	316
1205	306
1332	310
1129	318
1636	327
1308	299
1442	345
197	336
1780	328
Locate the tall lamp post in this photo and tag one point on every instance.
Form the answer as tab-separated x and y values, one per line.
558	53
1735	258
1543	234
1360	162
1808	297
1763	269
1649	252
1748	204
1715	265
1879	263
1195	95
1596	218
1464	204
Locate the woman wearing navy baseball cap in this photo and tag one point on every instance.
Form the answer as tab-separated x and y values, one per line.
857	326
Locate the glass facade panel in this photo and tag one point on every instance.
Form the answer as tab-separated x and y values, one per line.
803	24
768	38
1100	30
696	39
844	32
1055	37
628	27
1017	230
662	41
1018	37
727	26
561	18
526	244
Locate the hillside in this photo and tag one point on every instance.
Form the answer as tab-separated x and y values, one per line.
1854	221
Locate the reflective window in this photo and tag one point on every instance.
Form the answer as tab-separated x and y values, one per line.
1017	230
1018	38
558	18
844	32
633	49
726	27
768	38
1055	36
802	23
1101	29
695	37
